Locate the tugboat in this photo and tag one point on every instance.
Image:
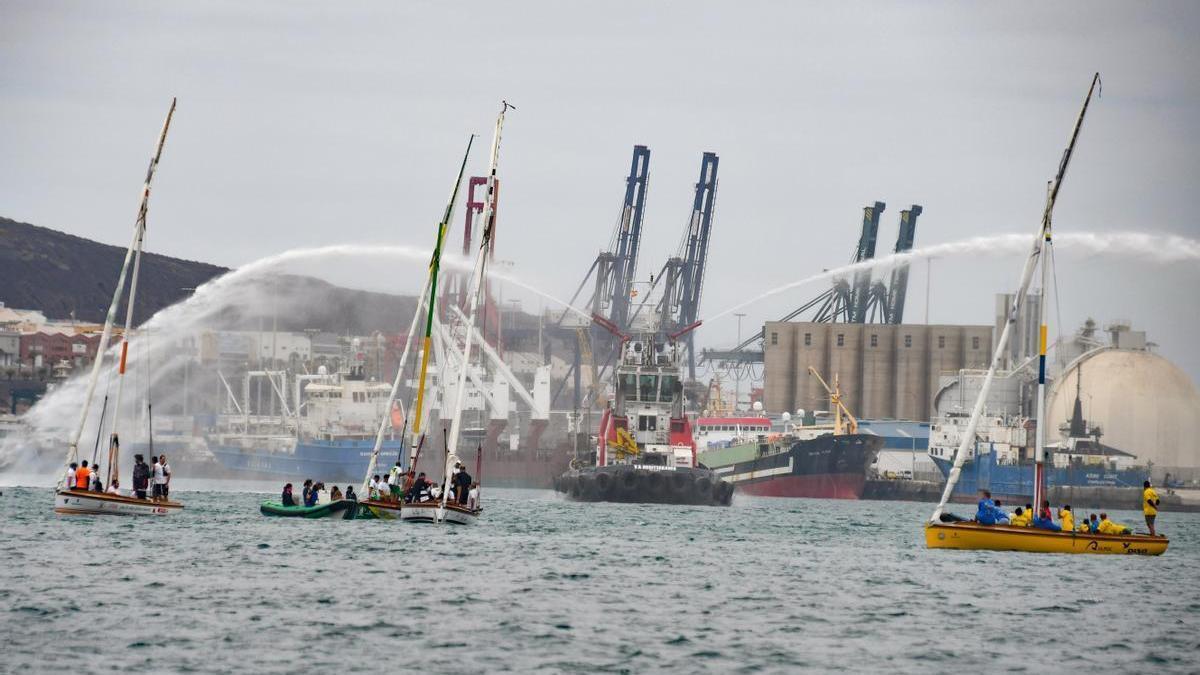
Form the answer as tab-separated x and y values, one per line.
645	451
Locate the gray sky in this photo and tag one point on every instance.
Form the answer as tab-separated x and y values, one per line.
304	124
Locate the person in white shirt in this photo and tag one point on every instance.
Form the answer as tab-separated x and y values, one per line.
114	488
473	497
166	469
69	479
158	479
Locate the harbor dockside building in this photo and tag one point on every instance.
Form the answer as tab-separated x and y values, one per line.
885	371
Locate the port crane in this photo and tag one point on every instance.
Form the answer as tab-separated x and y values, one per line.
856	301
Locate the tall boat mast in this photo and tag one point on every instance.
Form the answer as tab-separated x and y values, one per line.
1041	244
134	250
489	221
428	292
114	445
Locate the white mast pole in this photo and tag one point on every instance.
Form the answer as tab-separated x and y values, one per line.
101	349
485	245
476	282
1039	451
1043	235
139	236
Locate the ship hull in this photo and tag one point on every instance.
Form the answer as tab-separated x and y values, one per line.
329	461
434	512
975	537
1014	483
84	503
826	467
645	485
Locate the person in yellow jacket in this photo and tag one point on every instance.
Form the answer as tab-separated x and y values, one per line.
1084	526
1109	527
1021	518
1149	506
1067	518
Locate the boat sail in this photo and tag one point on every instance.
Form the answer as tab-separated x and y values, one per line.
946	531
385	508
73	500
443	510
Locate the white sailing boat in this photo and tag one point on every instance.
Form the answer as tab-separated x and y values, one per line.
442	510
946	531
379	506
70	499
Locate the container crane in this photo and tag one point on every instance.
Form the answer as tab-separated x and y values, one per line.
841	302
683	275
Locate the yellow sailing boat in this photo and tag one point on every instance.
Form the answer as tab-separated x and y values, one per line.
946	531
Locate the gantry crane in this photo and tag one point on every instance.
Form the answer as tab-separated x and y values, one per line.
858	301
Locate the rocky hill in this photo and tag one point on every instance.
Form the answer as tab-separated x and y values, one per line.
63	275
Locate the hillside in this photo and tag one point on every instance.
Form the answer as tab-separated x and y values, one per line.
62	274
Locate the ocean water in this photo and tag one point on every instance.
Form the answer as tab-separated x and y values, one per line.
546	585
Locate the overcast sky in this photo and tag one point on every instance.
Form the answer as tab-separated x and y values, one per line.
304	124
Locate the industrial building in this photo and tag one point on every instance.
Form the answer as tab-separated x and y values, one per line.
885	371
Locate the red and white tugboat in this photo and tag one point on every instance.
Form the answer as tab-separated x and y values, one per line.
646	453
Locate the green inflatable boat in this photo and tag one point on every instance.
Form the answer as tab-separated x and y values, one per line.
343	508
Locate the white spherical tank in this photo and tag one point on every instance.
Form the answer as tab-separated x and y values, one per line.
1142	402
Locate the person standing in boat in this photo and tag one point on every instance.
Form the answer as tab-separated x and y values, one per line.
69	478
141	476
396	481
463	483
166	469
156	475
1149	506
473	497
83	476
305	492
350	493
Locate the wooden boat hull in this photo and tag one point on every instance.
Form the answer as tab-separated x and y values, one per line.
975	537
343	508
85	503
372	508
432	512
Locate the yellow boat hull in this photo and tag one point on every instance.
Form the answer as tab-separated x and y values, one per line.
976	537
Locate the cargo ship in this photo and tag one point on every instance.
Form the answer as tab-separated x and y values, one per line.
1002	460
332	442
808	459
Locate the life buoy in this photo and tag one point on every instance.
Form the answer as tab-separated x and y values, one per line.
655	486
726	492
679	483
604	484
631	485
588	487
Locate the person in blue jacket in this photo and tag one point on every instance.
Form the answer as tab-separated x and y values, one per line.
988	513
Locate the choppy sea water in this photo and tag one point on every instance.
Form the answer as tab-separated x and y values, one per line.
545	585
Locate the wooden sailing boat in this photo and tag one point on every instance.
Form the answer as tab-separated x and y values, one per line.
71	500
388	508
949	532
443	510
